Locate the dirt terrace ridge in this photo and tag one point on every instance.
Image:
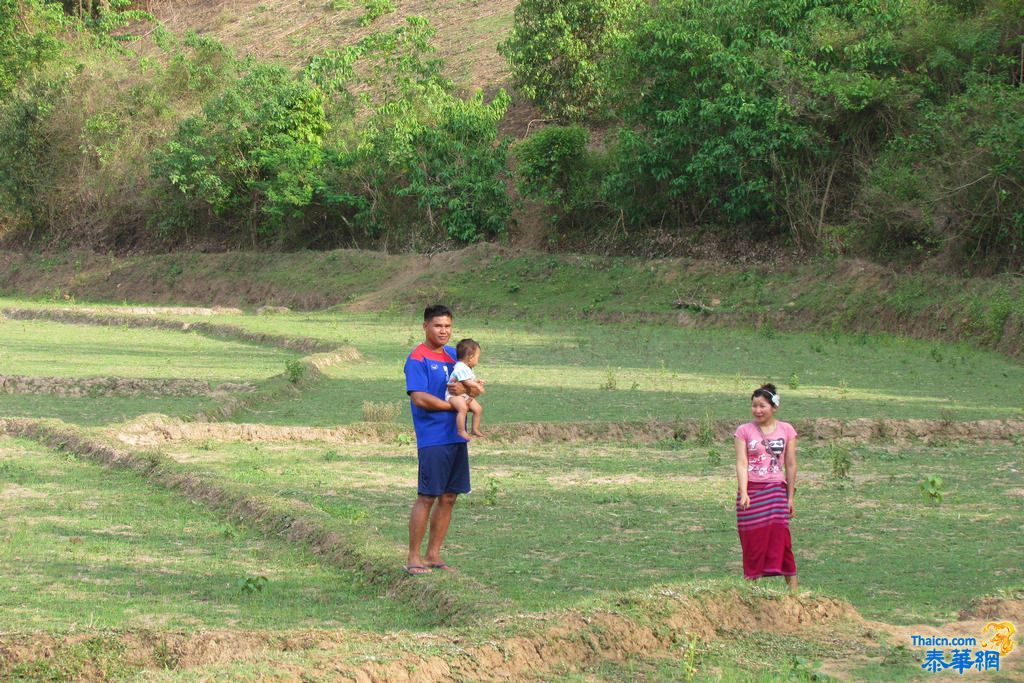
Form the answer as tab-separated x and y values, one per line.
212	330
117	386
338	544
551	643
153	430
171	310
578	640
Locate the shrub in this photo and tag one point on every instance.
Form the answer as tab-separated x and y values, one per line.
375	9
28	38
706	430
840	461
556	46
552	167
952	183
427	166
254	154
294	370
933	489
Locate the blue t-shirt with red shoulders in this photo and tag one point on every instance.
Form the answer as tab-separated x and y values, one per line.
428	371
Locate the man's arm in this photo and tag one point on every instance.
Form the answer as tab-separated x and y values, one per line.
422	399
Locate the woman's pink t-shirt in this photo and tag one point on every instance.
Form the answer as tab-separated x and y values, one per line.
766	454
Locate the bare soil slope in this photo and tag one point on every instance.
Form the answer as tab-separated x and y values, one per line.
289	31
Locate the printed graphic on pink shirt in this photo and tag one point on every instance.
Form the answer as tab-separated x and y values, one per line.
764	456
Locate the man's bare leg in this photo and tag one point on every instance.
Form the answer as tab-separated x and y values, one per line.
417	529
439	522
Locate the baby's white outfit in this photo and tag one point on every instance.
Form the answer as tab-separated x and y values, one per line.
460	372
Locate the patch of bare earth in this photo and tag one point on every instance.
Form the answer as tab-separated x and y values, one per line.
117	386
971	624
291	31
161	310
420	277
14	491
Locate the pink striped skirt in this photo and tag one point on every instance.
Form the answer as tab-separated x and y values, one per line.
764	531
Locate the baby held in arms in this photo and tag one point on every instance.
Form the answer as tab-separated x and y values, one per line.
468	352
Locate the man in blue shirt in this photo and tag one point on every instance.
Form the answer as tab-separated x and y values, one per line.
443	454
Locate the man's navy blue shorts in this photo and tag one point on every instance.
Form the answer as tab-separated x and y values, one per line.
444	469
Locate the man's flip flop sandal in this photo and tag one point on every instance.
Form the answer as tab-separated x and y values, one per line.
444	567
416	570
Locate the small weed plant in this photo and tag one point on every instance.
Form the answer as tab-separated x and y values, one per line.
490	497
839	456
375	9
932	489
706	430
690	659
714	461
252	584
488	494
611	382
294	370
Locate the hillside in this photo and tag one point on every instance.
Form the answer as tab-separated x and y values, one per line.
886	132
290	31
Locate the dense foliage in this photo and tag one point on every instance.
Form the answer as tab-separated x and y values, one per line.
367	145
254	155
871	126
887	128
28	37
556	47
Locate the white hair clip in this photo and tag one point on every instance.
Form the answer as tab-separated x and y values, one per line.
775	398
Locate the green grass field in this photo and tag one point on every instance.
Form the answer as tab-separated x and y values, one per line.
42	348
556	527
552	372
97	411
84	547
548	528
49	349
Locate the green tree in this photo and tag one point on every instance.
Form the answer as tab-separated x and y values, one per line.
426	166
705	123
555	167
253	156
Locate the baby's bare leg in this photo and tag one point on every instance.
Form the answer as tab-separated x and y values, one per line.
478	416
461	407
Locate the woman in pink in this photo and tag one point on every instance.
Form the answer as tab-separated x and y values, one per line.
766	474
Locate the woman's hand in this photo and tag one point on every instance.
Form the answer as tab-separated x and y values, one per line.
744	501
791	511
